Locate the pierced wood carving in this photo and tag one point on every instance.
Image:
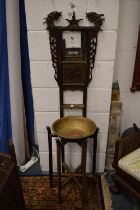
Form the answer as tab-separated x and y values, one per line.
73	23
77	58
95	18
51	18
73	65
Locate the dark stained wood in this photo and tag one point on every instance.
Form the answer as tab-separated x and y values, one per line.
95	149
123	147
50	136
73	71
73	66
11	197
136	75
63	142
72	174
59	168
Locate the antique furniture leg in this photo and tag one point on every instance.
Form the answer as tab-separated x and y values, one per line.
59	168
63	154
62	115
83	162
72	175
95	149
50	156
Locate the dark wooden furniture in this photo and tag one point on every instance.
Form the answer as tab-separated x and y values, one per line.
73	66
52	135
124	146
79	172
68	135
136	74
11	197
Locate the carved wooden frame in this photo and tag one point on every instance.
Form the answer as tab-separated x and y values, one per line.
88	41
81	60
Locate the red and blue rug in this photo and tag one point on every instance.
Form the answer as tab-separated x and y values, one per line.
39	196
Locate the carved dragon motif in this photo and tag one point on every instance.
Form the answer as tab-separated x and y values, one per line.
53	16
95	18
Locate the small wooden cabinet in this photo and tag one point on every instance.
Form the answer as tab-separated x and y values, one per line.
11	197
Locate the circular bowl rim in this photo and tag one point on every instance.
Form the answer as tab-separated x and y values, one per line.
73	116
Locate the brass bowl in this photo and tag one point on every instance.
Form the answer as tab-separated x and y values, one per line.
73	127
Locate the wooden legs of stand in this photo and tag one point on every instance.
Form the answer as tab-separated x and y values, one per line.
50	135
59	168
50	156
83	172
79	172
95	149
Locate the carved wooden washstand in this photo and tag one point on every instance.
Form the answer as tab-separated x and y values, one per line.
73	68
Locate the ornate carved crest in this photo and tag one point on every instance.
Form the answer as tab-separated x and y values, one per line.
93	17
62	62
73	65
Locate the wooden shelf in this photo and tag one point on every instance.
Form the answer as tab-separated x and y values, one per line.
73	106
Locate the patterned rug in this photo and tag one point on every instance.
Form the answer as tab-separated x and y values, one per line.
39	196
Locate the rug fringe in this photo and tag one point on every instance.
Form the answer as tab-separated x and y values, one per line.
106	193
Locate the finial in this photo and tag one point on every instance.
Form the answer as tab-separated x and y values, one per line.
73	22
